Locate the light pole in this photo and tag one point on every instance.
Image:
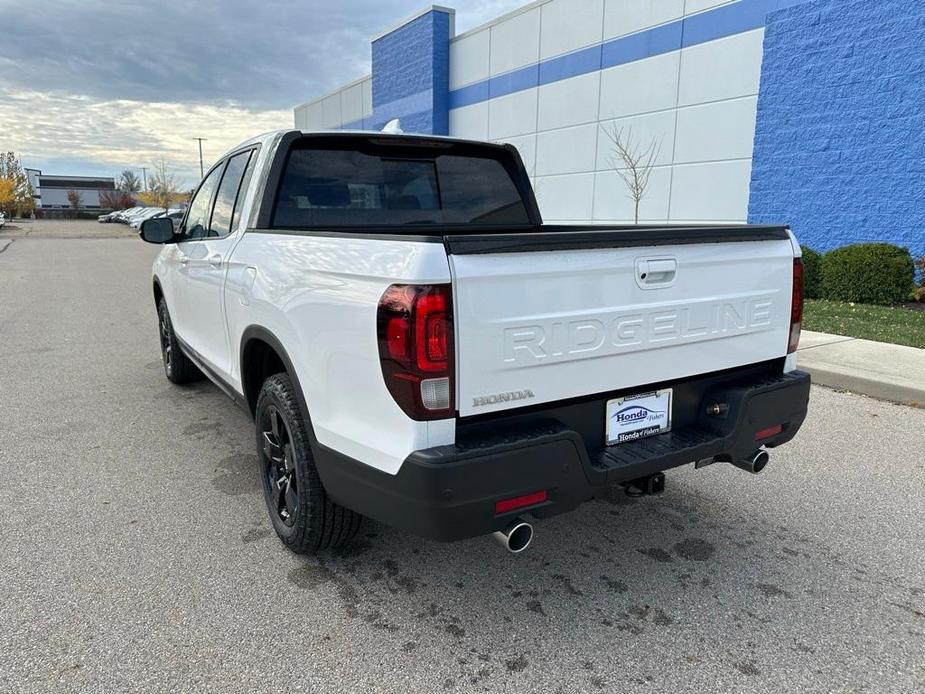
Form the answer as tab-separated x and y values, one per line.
201	170
144	175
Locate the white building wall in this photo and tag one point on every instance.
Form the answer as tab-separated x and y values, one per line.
698	103
348	105
57	197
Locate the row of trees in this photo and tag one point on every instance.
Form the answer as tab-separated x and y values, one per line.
163	190
123	196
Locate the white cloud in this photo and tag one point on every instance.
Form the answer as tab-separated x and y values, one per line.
94	87
46	128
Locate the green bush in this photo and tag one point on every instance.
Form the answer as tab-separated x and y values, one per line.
919	293
867	273
812	272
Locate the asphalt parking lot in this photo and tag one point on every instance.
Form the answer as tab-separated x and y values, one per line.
137	555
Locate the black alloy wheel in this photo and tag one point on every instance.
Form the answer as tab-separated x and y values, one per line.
303	515
279	466
166	346
177	366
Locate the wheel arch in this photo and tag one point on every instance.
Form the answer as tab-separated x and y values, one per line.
158	292
262	354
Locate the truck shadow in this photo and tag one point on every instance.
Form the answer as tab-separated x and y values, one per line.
699	567
616	570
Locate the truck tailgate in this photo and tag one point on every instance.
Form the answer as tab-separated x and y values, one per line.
547	325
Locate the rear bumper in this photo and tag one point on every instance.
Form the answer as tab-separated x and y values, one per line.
449	492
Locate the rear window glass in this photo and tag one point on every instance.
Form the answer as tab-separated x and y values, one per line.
367	184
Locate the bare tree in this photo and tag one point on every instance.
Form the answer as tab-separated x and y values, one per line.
633	161
76	199
163	188
129	182
118	199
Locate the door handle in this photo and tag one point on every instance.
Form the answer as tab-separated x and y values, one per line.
661	270
184	260
655	273
215	260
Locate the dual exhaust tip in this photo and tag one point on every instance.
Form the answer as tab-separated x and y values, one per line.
516	536
754	464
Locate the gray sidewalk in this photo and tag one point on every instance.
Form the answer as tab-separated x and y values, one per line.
877	369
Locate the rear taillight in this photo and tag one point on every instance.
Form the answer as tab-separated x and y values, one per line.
796	306
415	329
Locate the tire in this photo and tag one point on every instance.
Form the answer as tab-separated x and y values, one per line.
303	515
177	366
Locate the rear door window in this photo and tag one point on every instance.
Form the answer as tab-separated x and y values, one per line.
228	195
242	192
197	219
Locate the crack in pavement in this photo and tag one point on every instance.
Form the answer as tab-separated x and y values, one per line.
10	243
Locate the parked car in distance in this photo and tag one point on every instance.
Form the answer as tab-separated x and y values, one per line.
147	213
108	217
128	216
176	216
415	345
122	215
143	213
2	220
131	213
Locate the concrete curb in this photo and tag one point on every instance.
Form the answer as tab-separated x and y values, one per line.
843	380
879	370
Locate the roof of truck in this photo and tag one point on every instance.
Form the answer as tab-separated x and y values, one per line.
269	137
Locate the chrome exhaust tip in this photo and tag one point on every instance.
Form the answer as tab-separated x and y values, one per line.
516	537
755	464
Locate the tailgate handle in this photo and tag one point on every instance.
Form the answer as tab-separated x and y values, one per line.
654	273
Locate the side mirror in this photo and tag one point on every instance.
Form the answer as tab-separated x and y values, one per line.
157	230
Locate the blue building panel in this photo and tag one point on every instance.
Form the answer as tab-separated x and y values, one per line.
411	74
571	65
470	94
514	81
644	44
726	20
839	146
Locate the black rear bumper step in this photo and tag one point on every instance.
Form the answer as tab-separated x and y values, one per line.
623	462
449	492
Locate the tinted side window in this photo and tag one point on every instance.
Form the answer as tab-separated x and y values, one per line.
228	194
242	192
197	219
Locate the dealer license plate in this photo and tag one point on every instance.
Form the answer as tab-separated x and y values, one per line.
638	416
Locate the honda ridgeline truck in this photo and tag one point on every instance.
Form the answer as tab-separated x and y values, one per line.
416	346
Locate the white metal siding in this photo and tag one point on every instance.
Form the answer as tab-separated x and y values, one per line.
699	102
348	105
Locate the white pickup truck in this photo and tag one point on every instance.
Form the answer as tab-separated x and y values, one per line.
416	346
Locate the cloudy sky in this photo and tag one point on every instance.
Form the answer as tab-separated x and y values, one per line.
90	87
